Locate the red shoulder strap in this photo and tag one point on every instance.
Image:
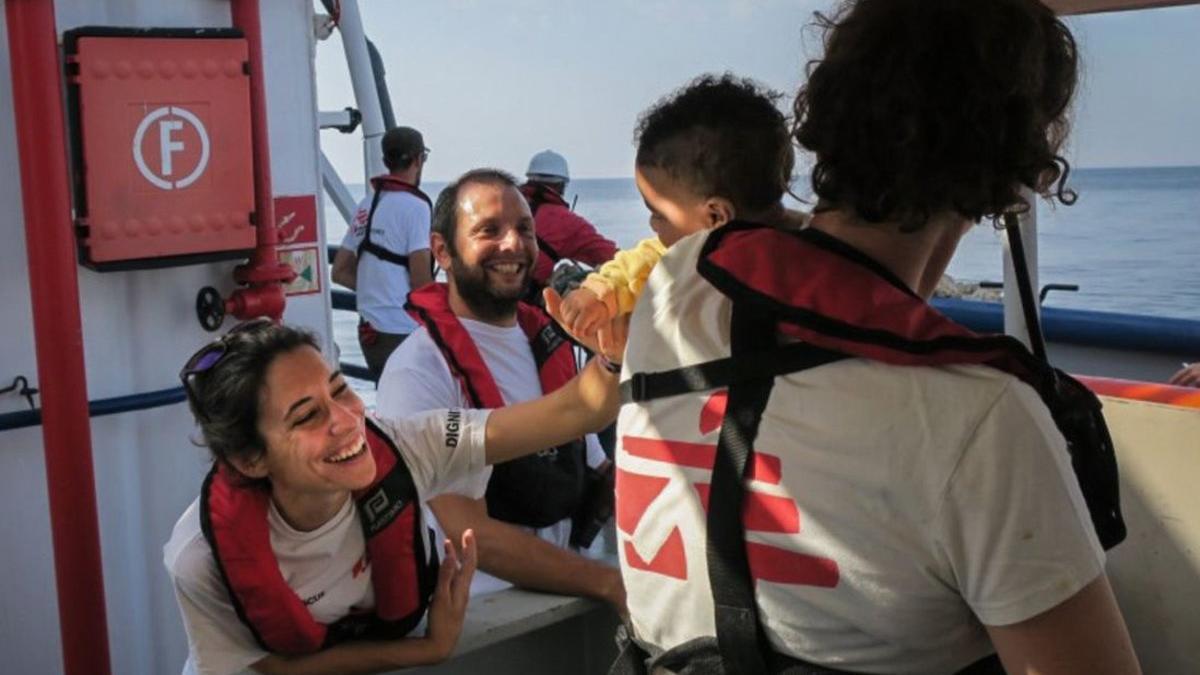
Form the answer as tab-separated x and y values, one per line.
389	183
394	548
430	307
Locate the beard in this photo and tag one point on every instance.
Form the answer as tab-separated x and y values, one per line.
486	301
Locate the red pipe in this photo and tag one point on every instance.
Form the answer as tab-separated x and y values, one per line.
264	275
58	332
1153	392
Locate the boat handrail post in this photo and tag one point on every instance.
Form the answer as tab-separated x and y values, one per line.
58	333
336	189
362	77
1014	316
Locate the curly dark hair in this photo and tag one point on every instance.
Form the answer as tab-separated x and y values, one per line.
721	136
445	210
225	398
923	106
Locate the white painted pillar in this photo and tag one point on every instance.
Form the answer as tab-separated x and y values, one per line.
1014	317
354	41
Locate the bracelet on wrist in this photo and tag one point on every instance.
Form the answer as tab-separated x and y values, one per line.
609	365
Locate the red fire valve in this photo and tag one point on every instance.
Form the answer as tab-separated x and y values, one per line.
255	301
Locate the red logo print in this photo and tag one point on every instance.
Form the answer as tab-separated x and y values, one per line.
762	512
360	221
361	566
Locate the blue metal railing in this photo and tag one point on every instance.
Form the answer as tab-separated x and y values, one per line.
100	407
1110	330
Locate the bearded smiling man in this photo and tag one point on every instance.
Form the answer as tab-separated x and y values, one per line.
480	347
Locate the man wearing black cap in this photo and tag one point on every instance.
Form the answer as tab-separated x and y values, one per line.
386	250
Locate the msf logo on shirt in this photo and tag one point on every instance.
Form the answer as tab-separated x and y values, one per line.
360	222
762	511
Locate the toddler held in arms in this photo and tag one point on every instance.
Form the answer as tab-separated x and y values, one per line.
715	151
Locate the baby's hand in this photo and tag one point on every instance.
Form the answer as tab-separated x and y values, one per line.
582	313
585	312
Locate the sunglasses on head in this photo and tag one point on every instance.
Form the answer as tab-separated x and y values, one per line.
207	357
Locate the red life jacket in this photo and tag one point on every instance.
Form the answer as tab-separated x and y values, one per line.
831	295
233	518
382	184
537	490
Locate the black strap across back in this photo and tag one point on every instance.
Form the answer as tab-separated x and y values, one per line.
368	246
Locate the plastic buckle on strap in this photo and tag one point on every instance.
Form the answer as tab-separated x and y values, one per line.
635	389
639	385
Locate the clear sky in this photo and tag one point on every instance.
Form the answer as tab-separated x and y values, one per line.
490	82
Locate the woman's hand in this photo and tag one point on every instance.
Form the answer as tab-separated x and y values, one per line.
359	657
1188	377
450	597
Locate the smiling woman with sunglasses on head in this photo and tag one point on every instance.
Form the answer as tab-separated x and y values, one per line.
306	551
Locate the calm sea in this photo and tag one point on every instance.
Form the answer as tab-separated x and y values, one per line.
1131	242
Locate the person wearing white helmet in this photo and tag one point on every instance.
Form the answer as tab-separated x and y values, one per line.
560	232
549	167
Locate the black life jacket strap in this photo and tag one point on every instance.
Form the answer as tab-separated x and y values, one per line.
533	295
767	363
740	638
548	250
537	197
368	246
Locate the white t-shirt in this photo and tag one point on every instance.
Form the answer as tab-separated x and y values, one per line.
892	512
327	567
417	378
400	225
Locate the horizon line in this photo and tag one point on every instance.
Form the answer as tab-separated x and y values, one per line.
1073	168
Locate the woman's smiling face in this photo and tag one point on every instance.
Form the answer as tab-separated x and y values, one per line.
313	427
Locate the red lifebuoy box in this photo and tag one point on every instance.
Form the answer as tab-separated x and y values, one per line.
161	135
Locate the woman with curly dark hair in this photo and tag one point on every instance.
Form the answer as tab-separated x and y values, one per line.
906	496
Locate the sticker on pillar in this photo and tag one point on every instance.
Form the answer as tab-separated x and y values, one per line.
296	219
171	147
306	262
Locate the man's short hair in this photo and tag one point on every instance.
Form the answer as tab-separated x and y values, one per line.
445	210
721	136
401	147
923	106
